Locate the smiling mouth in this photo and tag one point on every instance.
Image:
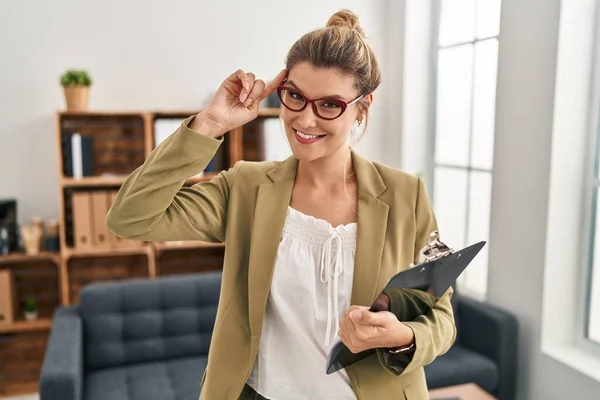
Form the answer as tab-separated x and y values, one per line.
305	138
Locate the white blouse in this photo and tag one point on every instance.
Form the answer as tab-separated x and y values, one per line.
310	291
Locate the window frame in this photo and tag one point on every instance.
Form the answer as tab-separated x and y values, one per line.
591	208
480	293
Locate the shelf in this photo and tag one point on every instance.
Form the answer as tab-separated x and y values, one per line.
102	113
269	112
14	258
201	178
166	246
100	181
17	389
173	114
263	112
94	181
108	250
26	326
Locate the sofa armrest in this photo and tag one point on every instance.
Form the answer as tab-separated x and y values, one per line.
62	372
492	332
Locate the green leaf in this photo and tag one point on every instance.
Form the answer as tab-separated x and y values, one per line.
30	304
74	77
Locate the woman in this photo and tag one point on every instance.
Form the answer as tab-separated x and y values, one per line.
310	241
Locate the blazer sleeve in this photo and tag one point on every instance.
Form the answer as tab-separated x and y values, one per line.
153	203
409	304
435	330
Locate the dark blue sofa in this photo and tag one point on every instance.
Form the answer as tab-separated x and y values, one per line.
149	340
143	340
485	351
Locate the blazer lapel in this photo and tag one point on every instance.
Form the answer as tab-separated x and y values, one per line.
269	218
372	226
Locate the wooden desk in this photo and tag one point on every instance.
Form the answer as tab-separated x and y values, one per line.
469	391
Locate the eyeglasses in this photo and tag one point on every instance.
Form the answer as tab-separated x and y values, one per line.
325	108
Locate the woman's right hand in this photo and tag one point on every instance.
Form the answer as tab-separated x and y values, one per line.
235	103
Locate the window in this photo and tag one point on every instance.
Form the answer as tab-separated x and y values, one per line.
569	330
592	314
591	216
467	58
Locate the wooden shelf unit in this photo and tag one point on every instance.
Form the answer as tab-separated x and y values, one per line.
92	181
141	249
22	353
19	258
23	343
166	246
36	275
124	141
43	324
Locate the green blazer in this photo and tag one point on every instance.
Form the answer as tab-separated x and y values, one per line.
245	207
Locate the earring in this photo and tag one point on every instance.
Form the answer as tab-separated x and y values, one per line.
359	122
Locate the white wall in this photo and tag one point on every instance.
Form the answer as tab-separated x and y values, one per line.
522	157
409	86
419	85
524	125
142	55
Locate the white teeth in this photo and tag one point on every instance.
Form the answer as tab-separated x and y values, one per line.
305	136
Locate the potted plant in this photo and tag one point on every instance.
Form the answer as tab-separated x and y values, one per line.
76	84
31	312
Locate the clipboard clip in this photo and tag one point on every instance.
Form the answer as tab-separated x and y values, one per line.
433	250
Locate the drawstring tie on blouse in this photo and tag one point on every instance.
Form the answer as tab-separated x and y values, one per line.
331	267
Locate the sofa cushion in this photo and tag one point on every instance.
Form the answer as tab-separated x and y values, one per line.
169	380
460	365
148	320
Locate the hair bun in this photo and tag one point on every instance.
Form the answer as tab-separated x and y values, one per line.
346	19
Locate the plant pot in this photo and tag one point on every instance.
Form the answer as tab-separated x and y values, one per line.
77	97
31	315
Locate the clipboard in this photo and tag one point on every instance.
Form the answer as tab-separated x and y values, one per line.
439	270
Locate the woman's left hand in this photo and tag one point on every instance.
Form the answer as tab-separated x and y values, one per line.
361	330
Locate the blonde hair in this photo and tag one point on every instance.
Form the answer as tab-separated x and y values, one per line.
341	45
